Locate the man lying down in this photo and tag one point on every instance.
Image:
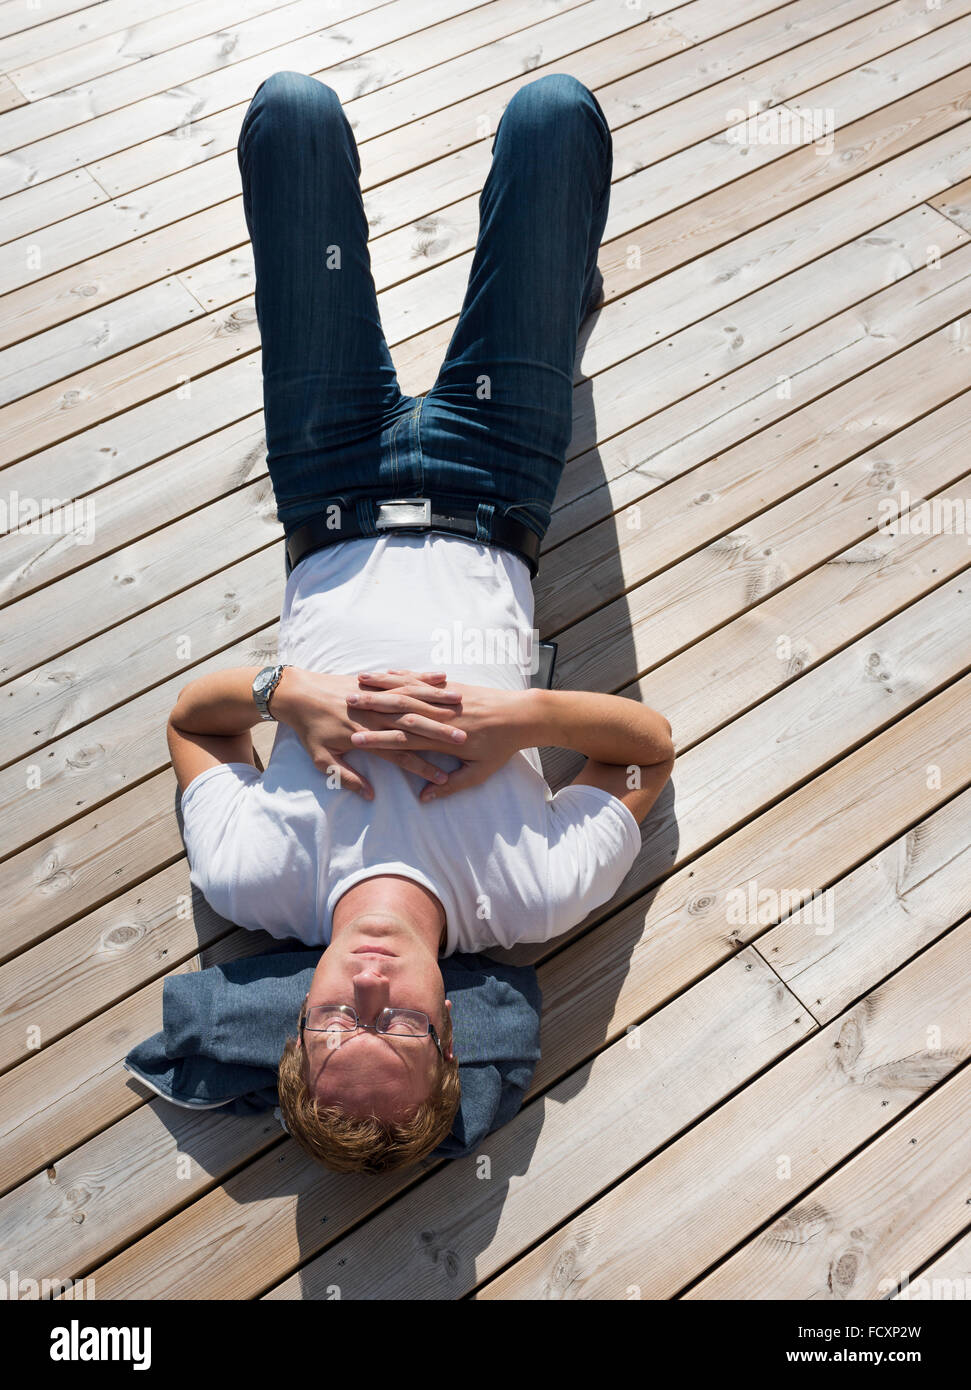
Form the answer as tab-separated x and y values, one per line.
402	817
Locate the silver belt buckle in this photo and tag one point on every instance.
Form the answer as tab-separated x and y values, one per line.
403	511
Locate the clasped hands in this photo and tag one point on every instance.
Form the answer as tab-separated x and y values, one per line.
398	715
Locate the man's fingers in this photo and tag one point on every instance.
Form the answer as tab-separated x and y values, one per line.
399	739
413	762
402	710
404	697
468	775
395	739
409	726
332	766
387	680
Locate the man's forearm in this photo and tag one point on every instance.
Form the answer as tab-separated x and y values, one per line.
605	728
221	703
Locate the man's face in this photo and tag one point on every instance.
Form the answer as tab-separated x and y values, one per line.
375	962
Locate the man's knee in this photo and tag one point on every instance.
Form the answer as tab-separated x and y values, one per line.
556	101
291	99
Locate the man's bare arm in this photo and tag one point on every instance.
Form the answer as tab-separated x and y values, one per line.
211	721
627	745
213	716
606	728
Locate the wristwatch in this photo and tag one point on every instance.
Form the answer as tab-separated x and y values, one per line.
263	687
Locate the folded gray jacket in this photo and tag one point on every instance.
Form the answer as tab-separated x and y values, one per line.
224	1028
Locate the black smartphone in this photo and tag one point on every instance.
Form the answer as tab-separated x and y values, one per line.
542	677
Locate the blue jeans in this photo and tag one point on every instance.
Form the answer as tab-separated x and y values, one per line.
494	429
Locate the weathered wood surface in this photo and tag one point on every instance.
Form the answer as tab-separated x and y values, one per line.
783	347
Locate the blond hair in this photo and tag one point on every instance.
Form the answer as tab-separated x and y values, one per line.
363	1143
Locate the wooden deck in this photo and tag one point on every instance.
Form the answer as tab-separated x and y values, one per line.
738	1099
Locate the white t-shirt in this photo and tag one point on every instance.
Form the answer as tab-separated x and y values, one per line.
508	860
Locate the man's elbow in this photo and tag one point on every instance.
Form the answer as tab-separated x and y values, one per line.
663	751
664	766
179	712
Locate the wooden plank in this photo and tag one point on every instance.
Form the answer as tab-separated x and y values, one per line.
78	1084
420	301
28	33
655	945
882	914
445	181
905	237
152	369
470	67
742	662
812	444
118	446
102	756
185	192
86	863
695	41
54	201
59	411
728	211
687	151
92	338
179	632
655	619
171	67
740	770
213	467
736	1168
104	279
140	574
68	979
10	95
169	48
425	29
418	359
699	172
949	1276
82	1207
857	1234
955	203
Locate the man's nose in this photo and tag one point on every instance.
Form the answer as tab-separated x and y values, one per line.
370	993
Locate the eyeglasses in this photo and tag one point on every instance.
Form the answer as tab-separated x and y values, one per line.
395	1023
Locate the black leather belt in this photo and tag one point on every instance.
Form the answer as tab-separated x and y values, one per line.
413	514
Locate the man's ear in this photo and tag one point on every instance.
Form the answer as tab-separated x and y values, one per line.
450	1055
303	1010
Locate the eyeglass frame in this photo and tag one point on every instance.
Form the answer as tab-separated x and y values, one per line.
370	1027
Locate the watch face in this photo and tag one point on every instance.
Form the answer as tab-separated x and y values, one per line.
264	680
